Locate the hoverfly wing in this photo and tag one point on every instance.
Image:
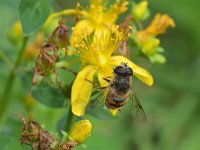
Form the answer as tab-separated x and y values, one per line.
96	106
97	100
137	106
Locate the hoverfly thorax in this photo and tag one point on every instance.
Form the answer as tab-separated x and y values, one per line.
123	70
122	78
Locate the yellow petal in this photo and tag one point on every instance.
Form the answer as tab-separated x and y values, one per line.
82	89
17	29
81	130
139	10
114	112
139	72
104	72
82	28
159	24
150	45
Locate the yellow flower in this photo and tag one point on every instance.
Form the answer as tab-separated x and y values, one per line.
140	11
15	34
97	17
148	44
147	41
81	130
96	52
17	29
160	24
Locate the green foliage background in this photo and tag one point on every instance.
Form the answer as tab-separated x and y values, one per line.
172	104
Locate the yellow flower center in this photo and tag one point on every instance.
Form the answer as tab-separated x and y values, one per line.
102	59
96	48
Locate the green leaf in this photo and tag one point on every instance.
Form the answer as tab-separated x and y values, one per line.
49	94
157	58
33	14
46	92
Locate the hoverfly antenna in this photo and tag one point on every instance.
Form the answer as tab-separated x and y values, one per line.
124	64
62	21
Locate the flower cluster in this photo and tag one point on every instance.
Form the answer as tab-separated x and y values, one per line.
98	41
97	56
146	39
97	18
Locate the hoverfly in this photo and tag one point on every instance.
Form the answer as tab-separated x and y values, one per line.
119	91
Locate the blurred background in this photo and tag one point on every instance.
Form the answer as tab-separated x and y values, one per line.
171	105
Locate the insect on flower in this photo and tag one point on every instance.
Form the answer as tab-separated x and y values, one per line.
119	91
96	52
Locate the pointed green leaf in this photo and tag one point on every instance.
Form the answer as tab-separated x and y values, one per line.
33	14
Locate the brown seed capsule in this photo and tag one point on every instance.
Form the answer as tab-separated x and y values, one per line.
45	63
39	139
59	37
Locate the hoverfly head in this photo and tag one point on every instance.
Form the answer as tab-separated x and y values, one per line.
123	70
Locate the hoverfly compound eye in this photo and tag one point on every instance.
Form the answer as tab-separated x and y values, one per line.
120	70
123	69
129	71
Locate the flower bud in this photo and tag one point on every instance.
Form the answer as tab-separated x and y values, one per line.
150	45
81	130
59	37
159	24
140	11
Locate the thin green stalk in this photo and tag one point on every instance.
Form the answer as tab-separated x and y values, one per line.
5	99
6	59
69	121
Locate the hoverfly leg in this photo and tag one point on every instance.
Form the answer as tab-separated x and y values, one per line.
96	86
109	77
106	79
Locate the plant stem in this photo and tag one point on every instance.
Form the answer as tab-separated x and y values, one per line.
69	121
4	101
6	59
65	12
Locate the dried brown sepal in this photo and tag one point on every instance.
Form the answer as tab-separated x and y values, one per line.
39	139
123	50
46	62
59	37
124	26
68	145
